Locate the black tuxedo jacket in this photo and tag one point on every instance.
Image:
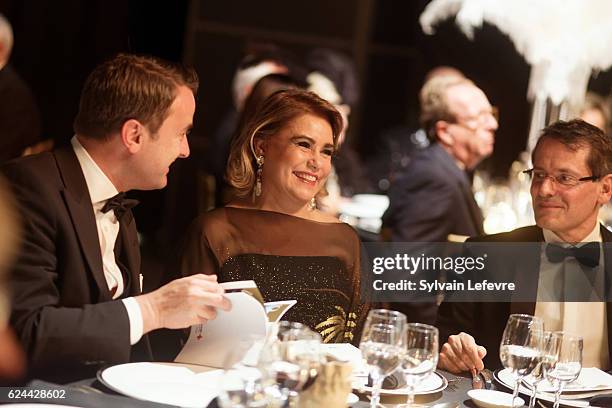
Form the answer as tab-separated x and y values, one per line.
486	321
430	200
63	311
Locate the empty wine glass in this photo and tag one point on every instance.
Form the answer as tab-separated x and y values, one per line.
548	357
568	365
381	346
520	347
420	356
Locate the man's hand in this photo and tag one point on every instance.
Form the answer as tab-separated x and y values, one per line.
461	353
182	303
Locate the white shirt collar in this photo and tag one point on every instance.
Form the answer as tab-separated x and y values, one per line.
99	186
594	236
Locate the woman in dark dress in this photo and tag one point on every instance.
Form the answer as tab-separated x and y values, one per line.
272	231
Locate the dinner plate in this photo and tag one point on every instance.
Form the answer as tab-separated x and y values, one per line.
433	383
166	383
504	378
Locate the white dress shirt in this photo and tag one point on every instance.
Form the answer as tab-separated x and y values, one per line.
570	316
100	190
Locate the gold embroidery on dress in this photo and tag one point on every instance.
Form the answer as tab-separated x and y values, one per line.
338	328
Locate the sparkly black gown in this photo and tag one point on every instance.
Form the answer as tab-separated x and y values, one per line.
315	263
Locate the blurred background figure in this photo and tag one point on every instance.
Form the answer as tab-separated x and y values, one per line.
400	142
432	198
264	69
12	361
20	125
596	111
333	77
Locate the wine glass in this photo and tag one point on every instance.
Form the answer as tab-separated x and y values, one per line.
385	316
520	347
243	383
548	357
420	356
381	346
568	365
292	360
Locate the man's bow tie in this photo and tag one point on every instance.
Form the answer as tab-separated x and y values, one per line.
119	204
588	254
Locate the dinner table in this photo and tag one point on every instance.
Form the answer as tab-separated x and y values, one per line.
92	393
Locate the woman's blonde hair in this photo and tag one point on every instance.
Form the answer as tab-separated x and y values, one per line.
266	120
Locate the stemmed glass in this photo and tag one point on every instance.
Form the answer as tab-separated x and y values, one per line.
292	360
568	364
381	346
420	356
520	347
548	357
243	383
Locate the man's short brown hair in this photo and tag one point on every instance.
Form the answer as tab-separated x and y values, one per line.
130	87
577	134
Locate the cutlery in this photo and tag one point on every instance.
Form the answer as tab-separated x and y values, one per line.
477	383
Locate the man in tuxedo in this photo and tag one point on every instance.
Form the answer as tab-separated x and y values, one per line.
433	197
571	181
77	303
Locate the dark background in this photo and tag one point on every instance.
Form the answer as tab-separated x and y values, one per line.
58	42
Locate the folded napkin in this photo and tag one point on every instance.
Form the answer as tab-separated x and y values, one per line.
348	353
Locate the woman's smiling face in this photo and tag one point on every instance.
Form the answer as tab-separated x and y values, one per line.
297	160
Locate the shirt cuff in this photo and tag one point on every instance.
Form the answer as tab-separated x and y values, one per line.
135	317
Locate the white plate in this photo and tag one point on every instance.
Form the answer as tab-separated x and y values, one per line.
166	383
505	378
493	399
430	385
360	210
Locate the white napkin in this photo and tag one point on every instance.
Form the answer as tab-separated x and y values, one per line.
350	353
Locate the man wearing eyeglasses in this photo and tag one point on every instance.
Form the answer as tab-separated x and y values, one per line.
571	181
433	197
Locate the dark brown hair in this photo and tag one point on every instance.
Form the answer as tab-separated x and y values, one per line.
577	134
130	87
276	112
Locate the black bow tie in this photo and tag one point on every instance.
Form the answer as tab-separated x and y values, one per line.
119	204
588	254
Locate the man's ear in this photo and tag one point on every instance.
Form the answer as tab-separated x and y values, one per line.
442	133
132	135
605	194
259	145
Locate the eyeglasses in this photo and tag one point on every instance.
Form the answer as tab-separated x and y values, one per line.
478	121
561	179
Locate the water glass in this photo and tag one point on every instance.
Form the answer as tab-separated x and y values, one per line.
520	347
420	356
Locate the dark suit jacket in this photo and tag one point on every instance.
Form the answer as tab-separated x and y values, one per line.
431	199
63	311
486	321
20	124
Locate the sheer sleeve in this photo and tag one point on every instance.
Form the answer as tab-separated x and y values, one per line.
196	255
